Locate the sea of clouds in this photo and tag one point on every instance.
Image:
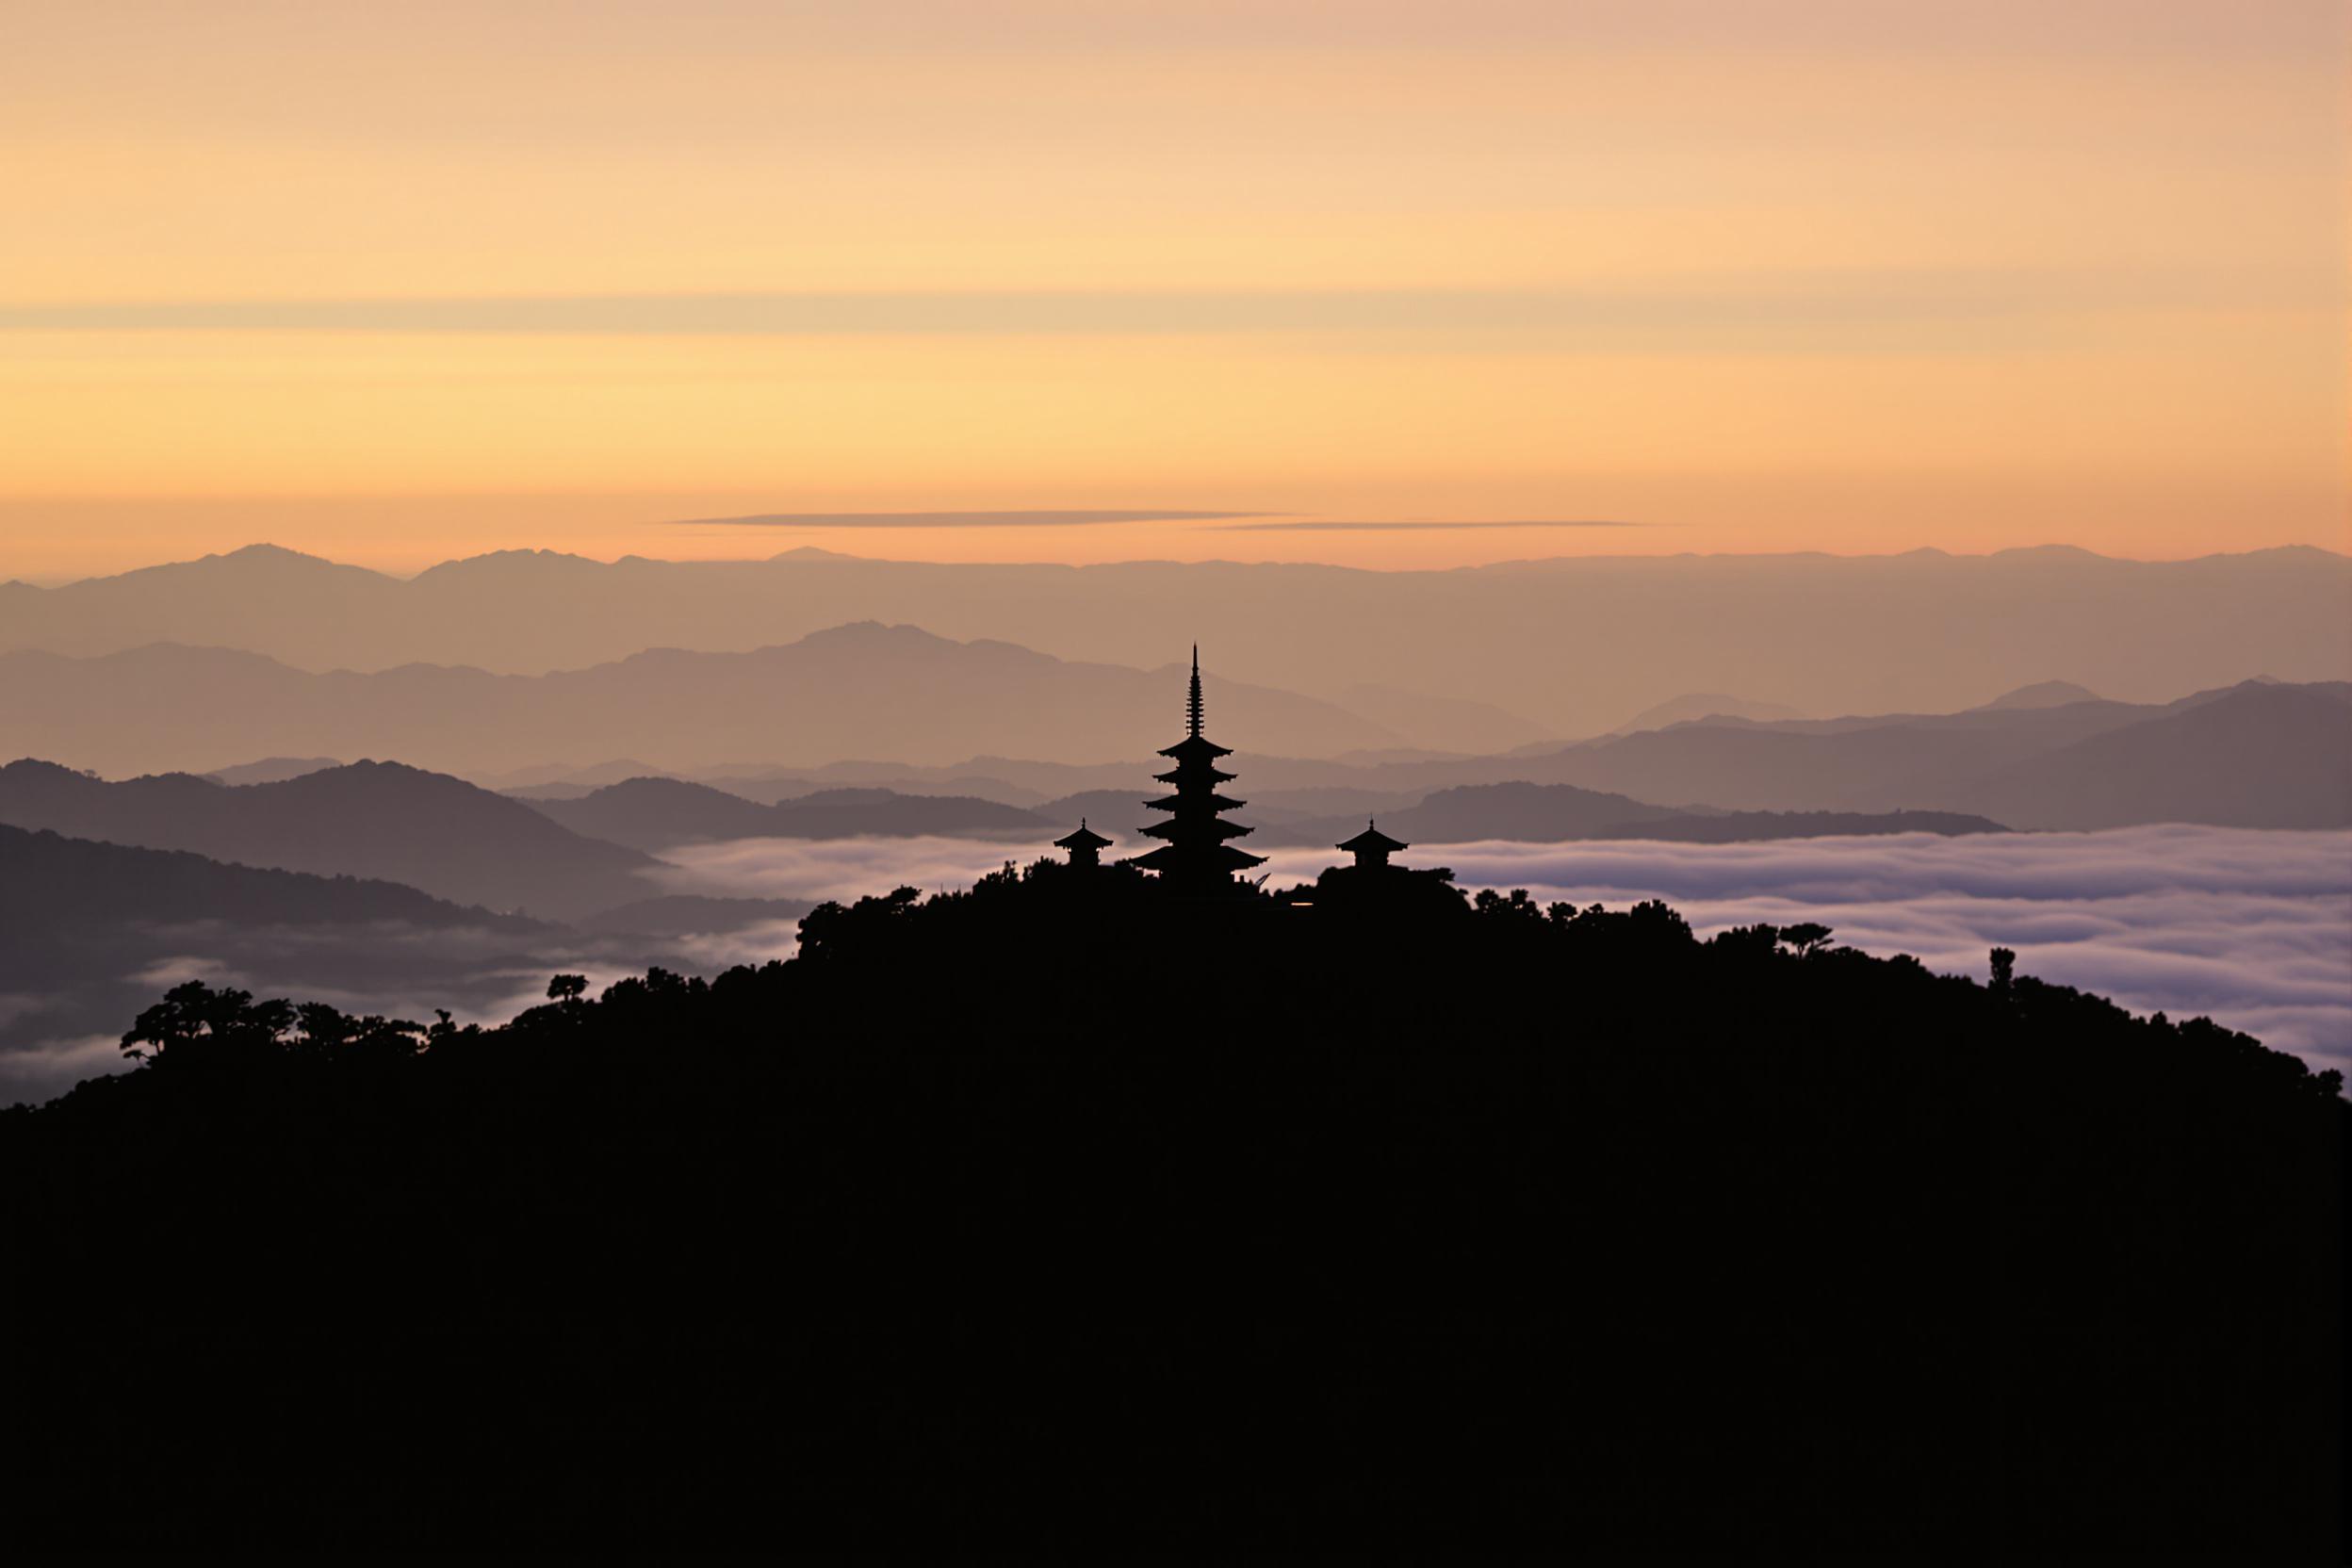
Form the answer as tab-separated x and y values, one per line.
2253	928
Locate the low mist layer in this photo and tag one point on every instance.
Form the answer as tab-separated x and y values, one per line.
2254	928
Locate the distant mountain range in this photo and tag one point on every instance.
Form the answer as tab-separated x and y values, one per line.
1694	706
273	770
2258	757
1528	812
855	691
2041	694
49	880
376	820
1569	646
2258	754
659	814
2254	755
654	814
1550	813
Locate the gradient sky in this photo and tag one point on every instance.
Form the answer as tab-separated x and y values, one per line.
395	283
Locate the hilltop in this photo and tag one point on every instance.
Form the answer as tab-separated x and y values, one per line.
1256	1223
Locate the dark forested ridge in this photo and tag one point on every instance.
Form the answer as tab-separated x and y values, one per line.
376	820
1066	1214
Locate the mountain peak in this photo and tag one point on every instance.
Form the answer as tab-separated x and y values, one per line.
507	564
1693	707
2046	554
2043	693
874	632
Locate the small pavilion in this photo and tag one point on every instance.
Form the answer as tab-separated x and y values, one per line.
1372	847
1086	846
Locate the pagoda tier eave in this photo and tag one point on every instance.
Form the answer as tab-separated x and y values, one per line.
1176	831
1195	745
1222	859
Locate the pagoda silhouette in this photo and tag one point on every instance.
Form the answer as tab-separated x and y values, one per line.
1194	856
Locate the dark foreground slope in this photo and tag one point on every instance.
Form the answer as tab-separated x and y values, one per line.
1062	1214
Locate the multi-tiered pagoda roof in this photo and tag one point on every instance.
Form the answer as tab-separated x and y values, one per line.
1194	851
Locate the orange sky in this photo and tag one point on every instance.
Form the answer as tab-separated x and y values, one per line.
396	283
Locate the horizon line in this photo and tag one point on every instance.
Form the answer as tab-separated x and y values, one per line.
810	551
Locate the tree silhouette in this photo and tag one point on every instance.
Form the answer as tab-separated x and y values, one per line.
1807	936
195	1026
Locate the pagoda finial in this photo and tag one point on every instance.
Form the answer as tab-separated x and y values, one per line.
1192	705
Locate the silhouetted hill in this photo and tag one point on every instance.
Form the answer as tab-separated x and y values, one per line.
532	793
370	819
1116	813
49	879
1574	644
1550	813
855	691
656	814
2044	693
2261	756
521	782
1863	764
1535	812
1065	1212
772	788
1693	706
273	770
2031	767
849	812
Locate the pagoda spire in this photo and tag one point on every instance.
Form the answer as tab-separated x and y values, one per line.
1193	854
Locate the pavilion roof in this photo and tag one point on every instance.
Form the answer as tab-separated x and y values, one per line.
1374	840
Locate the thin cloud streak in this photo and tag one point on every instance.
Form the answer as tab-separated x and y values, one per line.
1417	526
1799	311
1071	518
